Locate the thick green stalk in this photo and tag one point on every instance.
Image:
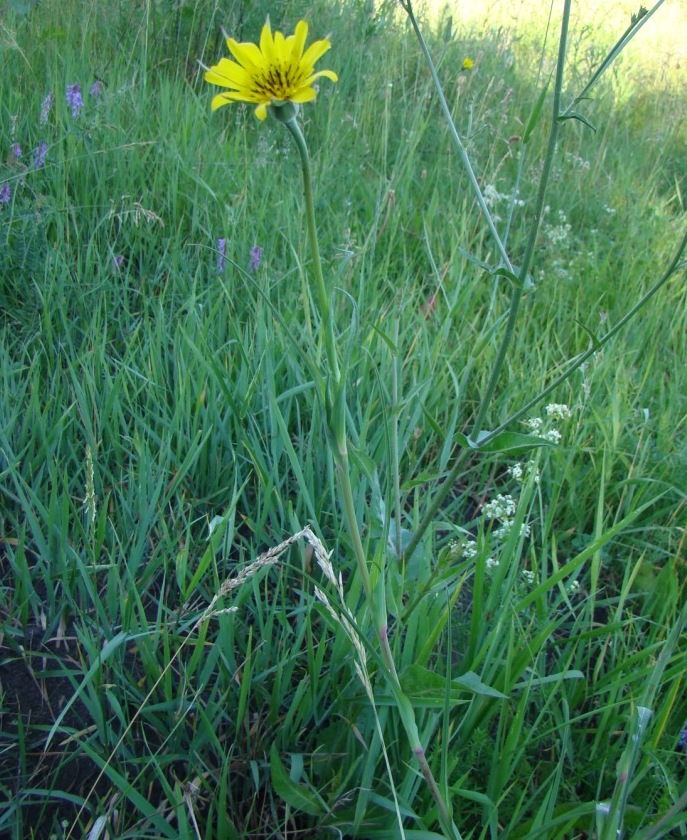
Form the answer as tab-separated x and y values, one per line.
291	122
336	410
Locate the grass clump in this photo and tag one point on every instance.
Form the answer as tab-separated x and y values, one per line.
189	645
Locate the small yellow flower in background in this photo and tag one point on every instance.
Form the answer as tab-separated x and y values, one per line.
468	64
277	71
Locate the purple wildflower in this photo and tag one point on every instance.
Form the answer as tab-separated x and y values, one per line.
46	107
39	154
255	257
96	88
682	743
15	148
5	193
118	259
74	99
222	258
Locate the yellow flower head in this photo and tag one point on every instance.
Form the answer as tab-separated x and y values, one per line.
277	71
468	64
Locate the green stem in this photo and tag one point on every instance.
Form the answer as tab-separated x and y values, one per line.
349	507
637	23
534	232
288	115
462	154
518	290
336	409
395	466
291	122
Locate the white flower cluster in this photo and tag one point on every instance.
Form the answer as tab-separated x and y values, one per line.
555	412
492	197
577	162
503	532
558	411
521	472
502	507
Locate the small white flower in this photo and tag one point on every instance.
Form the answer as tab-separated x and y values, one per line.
502	507
531	468
529	576
503	532
470	550
491	564
553	436
558	411
491	195
516	471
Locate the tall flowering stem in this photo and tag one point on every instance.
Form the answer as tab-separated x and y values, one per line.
287	114
336	411
279	74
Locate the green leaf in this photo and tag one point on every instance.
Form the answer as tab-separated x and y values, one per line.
515	442
595	341
536	113
575	115
504	272
295	795
426	688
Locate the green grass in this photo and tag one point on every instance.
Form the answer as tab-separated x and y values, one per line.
160	429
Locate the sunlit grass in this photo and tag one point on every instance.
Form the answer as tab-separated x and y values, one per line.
656	61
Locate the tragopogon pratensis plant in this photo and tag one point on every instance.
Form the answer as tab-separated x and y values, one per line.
279	74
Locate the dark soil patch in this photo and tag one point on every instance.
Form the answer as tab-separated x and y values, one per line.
37	678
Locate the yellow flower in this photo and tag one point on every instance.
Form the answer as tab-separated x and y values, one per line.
275	72
468	64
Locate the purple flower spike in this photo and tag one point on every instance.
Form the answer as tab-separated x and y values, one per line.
39	154
74	99
682	743
96	88
46	107
15	148
5	193
222	258
255	258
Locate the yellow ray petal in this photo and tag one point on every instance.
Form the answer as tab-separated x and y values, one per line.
304	94
299	38
267	44
246	54
328	74
315	51
228	74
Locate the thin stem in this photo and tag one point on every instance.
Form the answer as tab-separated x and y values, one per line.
464	159
336	409
321	291
675	265
518	290
349	507
638	21
395	467
337	406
